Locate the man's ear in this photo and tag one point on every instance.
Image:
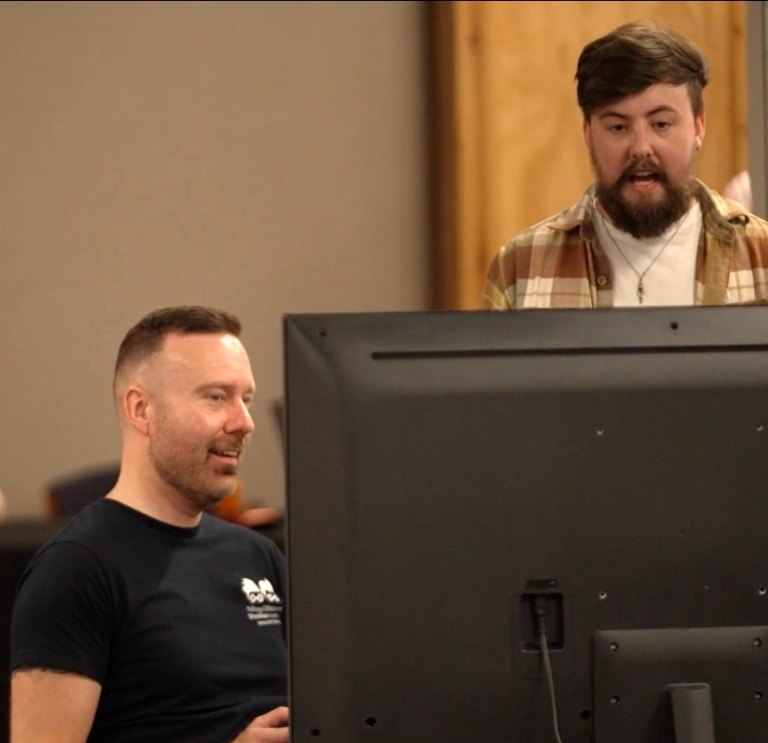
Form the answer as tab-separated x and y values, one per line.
701	129
136	408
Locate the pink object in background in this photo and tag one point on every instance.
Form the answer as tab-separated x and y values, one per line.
739	188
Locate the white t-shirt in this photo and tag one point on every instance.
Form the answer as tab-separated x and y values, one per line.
667	263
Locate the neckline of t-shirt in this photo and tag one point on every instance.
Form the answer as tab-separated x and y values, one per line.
184	532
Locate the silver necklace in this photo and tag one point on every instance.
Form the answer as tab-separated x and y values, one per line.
641	276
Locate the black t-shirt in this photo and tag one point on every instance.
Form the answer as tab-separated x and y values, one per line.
183	628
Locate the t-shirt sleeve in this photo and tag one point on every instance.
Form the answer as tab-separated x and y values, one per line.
63	612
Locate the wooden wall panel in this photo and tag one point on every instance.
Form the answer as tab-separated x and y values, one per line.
508	129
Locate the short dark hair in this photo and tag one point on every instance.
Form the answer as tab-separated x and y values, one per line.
633	57
146	337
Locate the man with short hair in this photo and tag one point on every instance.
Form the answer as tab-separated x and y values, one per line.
146	618
646	232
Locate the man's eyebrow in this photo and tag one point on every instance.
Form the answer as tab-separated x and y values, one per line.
664	108
250	390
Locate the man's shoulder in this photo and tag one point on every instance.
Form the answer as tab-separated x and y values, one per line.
85	540
82	528
551	249
754	226
734	213
74	555
558	230
97	521
545	234
113	532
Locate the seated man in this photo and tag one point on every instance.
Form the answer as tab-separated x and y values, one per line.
146	618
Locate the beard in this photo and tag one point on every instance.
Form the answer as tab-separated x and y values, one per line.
187	469
645	217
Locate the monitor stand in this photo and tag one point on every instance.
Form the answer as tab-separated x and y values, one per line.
692	712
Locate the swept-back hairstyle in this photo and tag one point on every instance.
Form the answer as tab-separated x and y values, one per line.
633	57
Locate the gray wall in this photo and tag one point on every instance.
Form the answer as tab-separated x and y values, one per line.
264	157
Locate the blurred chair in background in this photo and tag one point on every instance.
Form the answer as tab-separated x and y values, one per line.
68	495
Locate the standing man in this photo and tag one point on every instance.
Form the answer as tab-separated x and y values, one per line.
646	232
146	618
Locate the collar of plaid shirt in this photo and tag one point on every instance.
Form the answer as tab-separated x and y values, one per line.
558	263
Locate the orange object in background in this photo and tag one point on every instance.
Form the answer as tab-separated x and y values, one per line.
233	508
230	508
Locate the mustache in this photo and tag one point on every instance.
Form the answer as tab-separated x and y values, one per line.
236	444
644	166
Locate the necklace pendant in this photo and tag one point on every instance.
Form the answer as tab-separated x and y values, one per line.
640	291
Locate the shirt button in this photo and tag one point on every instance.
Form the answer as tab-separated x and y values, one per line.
601	281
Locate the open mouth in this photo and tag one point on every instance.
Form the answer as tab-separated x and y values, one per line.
645	181
644	178
232	455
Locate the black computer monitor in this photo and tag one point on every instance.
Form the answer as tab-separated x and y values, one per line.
451	473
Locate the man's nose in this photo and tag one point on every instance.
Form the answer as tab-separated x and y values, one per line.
641	144
240	420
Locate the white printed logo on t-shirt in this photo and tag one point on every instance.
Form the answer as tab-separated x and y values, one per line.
264	605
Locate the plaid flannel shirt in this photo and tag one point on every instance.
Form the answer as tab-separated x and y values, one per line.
558	263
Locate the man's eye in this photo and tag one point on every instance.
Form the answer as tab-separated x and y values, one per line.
216	397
